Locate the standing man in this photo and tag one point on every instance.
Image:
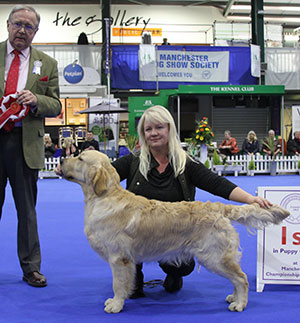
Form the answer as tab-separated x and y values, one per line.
35	80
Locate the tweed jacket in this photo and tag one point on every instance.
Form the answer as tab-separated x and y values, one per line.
47	93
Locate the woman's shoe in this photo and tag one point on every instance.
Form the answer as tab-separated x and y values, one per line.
138	293
173	283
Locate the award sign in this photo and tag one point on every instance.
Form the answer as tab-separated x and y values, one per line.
278	246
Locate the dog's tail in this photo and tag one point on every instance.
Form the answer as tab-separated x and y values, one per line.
252	215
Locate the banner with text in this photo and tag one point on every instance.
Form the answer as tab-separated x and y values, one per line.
188	66
255	60
296	118
105	126
278	246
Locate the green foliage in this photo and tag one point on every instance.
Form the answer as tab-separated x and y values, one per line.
298	164
101	136
207	164
188	140
131	142
271	144
216	158
251	165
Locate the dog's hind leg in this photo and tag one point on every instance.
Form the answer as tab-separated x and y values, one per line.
123	270
220	255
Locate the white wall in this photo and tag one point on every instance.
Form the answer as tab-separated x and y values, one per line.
190	25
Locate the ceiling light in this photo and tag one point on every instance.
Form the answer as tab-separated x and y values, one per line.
266	8
266	19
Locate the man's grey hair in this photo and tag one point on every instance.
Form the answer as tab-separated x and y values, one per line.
23	7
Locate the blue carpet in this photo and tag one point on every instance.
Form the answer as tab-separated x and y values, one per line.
80	282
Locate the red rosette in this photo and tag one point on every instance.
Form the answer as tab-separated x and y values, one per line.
10	109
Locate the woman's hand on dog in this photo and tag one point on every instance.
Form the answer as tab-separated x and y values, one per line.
264	203
241	196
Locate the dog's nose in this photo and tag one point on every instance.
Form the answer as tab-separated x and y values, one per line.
61	160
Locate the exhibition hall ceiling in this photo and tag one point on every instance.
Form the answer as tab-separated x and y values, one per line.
285	12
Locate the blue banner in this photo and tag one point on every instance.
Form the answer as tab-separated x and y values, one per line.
125	67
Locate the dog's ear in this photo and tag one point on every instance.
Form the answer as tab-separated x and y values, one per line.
100	181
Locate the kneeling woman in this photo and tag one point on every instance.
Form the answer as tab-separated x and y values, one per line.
162	170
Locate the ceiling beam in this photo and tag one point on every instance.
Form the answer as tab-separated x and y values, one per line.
266	15
137	2
228	7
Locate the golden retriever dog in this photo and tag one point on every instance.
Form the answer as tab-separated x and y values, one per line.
126	229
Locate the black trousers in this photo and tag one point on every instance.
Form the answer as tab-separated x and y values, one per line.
23	182
183	270
225	151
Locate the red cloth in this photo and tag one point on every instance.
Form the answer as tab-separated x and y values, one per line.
12	84
234	149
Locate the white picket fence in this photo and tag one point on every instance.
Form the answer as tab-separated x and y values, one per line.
284	165
51	164
48	171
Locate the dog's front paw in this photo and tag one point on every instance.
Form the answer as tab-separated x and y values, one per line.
236	307
113	305
230	298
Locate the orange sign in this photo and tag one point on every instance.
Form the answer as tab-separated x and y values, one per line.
136	31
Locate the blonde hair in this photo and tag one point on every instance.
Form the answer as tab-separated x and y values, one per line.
68	141
177	156
251	132
47	138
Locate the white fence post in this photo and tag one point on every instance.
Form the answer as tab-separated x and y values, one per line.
49	170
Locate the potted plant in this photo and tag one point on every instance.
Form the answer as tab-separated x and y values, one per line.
251	167
207	164
131	142
271	144
217	163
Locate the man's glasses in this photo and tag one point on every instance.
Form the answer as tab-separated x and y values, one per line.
27	27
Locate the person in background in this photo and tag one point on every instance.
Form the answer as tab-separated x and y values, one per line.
228	146
165	42
50	148
90	142
69	149
162	170
293	145
251	144
33	77
271	145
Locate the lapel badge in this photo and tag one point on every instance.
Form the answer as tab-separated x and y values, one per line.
37	67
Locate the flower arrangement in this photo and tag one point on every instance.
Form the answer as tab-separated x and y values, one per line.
203	133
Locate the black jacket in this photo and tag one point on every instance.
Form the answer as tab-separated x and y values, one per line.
250	147
293	146
88	143
195	175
